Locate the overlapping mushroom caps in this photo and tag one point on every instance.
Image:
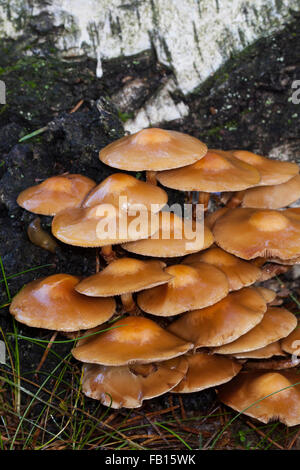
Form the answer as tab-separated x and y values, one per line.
272	349
131	340
272	197
123	277
173	236
238	272
128	386
52	303
190	288
291	344
271	171
265	395
153	150
277	323
222	322
250	233
100	225
205	371
55	194
126	192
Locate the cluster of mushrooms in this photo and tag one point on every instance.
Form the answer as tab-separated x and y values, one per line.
175	318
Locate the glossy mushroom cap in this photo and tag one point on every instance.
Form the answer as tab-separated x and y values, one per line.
128	386
132	340
218	171
55	194
153	150
273	197
123	276
268	294
271	171
212	217
277	323
127	192
272	349
239	273
205	371
189	289
266	396
291	344
173	237
222	322
52	303
99	226
250	233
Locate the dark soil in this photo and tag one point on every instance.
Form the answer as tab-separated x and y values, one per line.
246	104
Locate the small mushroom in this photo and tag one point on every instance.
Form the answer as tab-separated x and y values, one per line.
252	233
55	194
206	371
266	396
222	322
277	323
128	386
174	237
181	293
123	277
239	273
126	192
271	171
39	237
272	349
52	303
131	340
291	344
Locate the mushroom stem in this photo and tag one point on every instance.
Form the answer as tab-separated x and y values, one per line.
236	200
203	198
108	254
273	364
129	304
151	177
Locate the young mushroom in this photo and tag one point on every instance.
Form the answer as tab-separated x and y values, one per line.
266	352
128	386
123	277
131	340
265	396
52	303
222	322
181	293
206	371
55	194
153	150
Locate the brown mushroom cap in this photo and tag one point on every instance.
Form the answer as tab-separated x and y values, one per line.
55	194
132	340
277	323
250	233
123	276
100	226
189	289
128	386
271	171
272	349
222	322
268	294
212	217
183	238
52	303
291	344
218	171
265	395
238	272
273	197
153	150
124	186
205	371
